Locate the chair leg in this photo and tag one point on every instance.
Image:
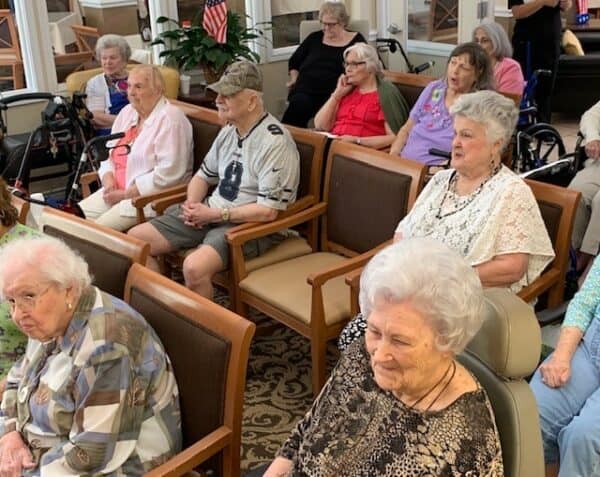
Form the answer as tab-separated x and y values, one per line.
318	350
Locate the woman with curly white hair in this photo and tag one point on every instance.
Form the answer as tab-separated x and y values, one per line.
364	108
398	402
479	207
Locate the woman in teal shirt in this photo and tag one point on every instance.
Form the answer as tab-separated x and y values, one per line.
567	387
12	340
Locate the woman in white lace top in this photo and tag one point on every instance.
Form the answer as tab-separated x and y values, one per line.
479	207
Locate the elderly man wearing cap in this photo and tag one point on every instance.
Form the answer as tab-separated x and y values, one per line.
255	167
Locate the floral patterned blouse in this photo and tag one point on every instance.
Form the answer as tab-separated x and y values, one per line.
12	339
355	428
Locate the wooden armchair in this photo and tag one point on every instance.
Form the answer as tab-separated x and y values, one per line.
558	206
366	194
205	126
108	253
311	149
208	347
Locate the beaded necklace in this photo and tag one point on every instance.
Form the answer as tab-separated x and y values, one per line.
459	203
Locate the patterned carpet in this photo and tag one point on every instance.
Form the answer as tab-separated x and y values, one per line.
278	388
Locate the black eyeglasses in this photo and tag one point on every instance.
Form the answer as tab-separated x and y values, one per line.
354	64
328	25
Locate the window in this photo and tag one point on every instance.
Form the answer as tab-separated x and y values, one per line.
433	20
12	70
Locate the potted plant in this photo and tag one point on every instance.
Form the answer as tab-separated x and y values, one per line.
188	47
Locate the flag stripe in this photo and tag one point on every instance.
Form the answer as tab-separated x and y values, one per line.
215	20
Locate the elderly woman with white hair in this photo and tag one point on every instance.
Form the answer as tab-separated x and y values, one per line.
398	402
479	207
364	108
107	92
95	393
156	152
507	72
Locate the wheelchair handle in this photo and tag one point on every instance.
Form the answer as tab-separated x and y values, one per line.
95	140
440	153
24	97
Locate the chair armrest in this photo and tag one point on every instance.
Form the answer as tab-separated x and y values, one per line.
241	237
161	204
143	200
353	281
195	454
318	279
550	316
545	281
85	180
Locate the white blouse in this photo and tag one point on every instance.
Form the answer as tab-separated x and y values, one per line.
501	217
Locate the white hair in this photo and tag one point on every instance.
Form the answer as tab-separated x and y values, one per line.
368	54
113	41
438	282
50	257
501	47
495	112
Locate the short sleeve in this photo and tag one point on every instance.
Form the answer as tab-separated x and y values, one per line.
425	95
209	169
279	175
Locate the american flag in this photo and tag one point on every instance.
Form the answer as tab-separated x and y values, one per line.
215	19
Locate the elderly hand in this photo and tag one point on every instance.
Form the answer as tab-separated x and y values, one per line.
113	196
555	371
342	88
592	149
348	138
14	455
197	214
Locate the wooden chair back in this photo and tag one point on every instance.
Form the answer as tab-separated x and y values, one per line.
86	38
22	207
367	194
557	206
409	84
108	253
208	346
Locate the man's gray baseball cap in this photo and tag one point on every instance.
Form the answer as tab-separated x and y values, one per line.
238	76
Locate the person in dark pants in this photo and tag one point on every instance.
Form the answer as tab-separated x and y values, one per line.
317	63
536	44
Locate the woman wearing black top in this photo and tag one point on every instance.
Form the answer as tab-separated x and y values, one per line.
317	63
537	36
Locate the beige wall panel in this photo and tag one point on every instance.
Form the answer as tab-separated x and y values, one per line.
119	20
275	92
24	118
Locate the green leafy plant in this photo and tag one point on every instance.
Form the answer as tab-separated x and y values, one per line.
191	46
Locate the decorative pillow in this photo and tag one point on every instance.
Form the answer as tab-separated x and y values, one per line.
571	44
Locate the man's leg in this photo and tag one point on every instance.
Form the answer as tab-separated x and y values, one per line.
159	245
198	269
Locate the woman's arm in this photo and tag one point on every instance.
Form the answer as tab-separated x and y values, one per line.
280	467
325	118
293	78
401	138
503	270
376	142
528	9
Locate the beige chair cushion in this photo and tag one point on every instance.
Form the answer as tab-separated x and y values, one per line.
284	286
510	340
290	248
571	44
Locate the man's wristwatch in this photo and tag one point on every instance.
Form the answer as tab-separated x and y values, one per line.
225	214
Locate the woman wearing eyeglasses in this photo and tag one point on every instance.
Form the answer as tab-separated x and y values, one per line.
364	108
12	340
94	393
316	65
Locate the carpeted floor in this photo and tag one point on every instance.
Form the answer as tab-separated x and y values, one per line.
278	387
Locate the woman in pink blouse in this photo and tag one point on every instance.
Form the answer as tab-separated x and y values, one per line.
507	72
363	109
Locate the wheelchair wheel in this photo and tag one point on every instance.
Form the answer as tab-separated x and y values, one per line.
538	145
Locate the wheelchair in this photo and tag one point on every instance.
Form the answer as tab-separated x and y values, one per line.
56	144
538	150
